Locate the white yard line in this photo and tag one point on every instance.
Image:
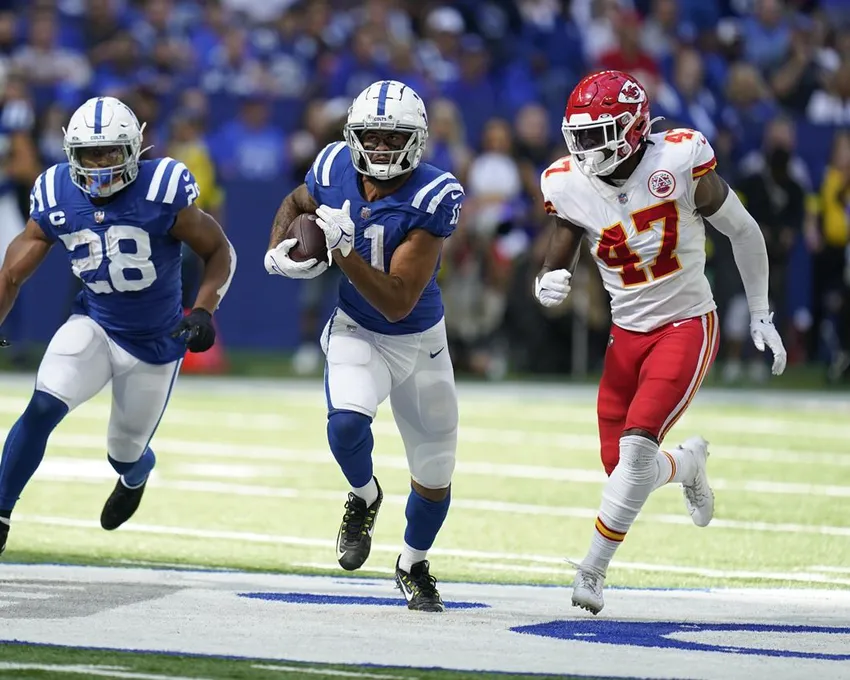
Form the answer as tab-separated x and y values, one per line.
257	491
100	671
488	392
490	558
273	422
330	672
203	449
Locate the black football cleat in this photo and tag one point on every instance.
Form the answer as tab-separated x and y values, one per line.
4	534
354	541
419	587
121	505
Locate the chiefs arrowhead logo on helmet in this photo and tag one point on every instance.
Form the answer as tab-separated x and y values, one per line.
606	121
630	93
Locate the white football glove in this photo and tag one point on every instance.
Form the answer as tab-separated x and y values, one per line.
764	333
277	262
338	227
552	288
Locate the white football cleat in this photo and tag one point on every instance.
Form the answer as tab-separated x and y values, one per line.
587	589
699	498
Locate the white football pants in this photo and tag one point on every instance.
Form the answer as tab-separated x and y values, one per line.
81	359
415	371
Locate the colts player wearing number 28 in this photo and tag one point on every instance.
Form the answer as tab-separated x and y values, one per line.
640	200
385	216
121	222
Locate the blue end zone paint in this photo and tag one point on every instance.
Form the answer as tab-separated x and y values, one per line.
231	657
363	600
656	635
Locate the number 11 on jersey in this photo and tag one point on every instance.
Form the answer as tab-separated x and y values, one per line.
374	233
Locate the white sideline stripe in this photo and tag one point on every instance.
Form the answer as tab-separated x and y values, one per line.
470	504
673	569
626	566
102	671
330	672
192	448
335	567
575	443
494	557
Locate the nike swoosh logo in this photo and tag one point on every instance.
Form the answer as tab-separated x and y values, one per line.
457	195
186	176
433	354
676	324
405	589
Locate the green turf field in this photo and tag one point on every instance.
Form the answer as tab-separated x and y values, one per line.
245	480
27	661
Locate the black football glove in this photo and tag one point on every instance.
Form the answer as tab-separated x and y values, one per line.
197	330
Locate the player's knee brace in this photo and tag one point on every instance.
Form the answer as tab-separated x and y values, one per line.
351	442
44	412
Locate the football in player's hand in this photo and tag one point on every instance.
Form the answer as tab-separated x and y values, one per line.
311	239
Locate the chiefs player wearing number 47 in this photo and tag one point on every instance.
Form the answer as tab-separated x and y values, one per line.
640	200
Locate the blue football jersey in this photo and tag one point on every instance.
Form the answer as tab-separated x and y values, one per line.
123	252
430	199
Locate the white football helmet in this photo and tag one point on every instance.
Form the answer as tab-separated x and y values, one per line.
387	105
104	121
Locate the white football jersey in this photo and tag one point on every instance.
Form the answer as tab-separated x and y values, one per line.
646	236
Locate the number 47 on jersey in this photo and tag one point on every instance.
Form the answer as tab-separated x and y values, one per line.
615	251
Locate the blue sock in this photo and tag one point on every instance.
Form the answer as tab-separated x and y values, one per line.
24	447
351	442
134	474
424	519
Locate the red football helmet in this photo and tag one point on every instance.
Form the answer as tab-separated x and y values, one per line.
606	121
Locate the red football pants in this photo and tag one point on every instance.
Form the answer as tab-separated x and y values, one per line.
649	379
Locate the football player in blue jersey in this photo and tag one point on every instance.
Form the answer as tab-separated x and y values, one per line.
121	222
385	216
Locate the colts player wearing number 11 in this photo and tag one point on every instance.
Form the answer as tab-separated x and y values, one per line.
385	216
121	222
640	200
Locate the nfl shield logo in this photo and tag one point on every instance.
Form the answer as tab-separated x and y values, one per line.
98	216
365	212
623	198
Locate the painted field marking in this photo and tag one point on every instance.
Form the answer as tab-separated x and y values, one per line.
250	490
330	672
271	422
487	558
101	671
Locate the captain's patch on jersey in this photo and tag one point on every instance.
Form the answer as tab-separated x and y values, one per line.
661	183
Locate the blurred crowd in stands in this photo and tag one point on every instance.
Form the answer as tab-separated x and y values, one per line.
251	89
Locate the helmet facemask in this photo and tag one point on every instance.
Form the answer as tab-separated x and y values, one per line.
102	169
384	163
599	146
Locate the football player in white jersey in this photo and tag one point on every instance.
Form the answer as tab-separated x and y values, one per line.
640	200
